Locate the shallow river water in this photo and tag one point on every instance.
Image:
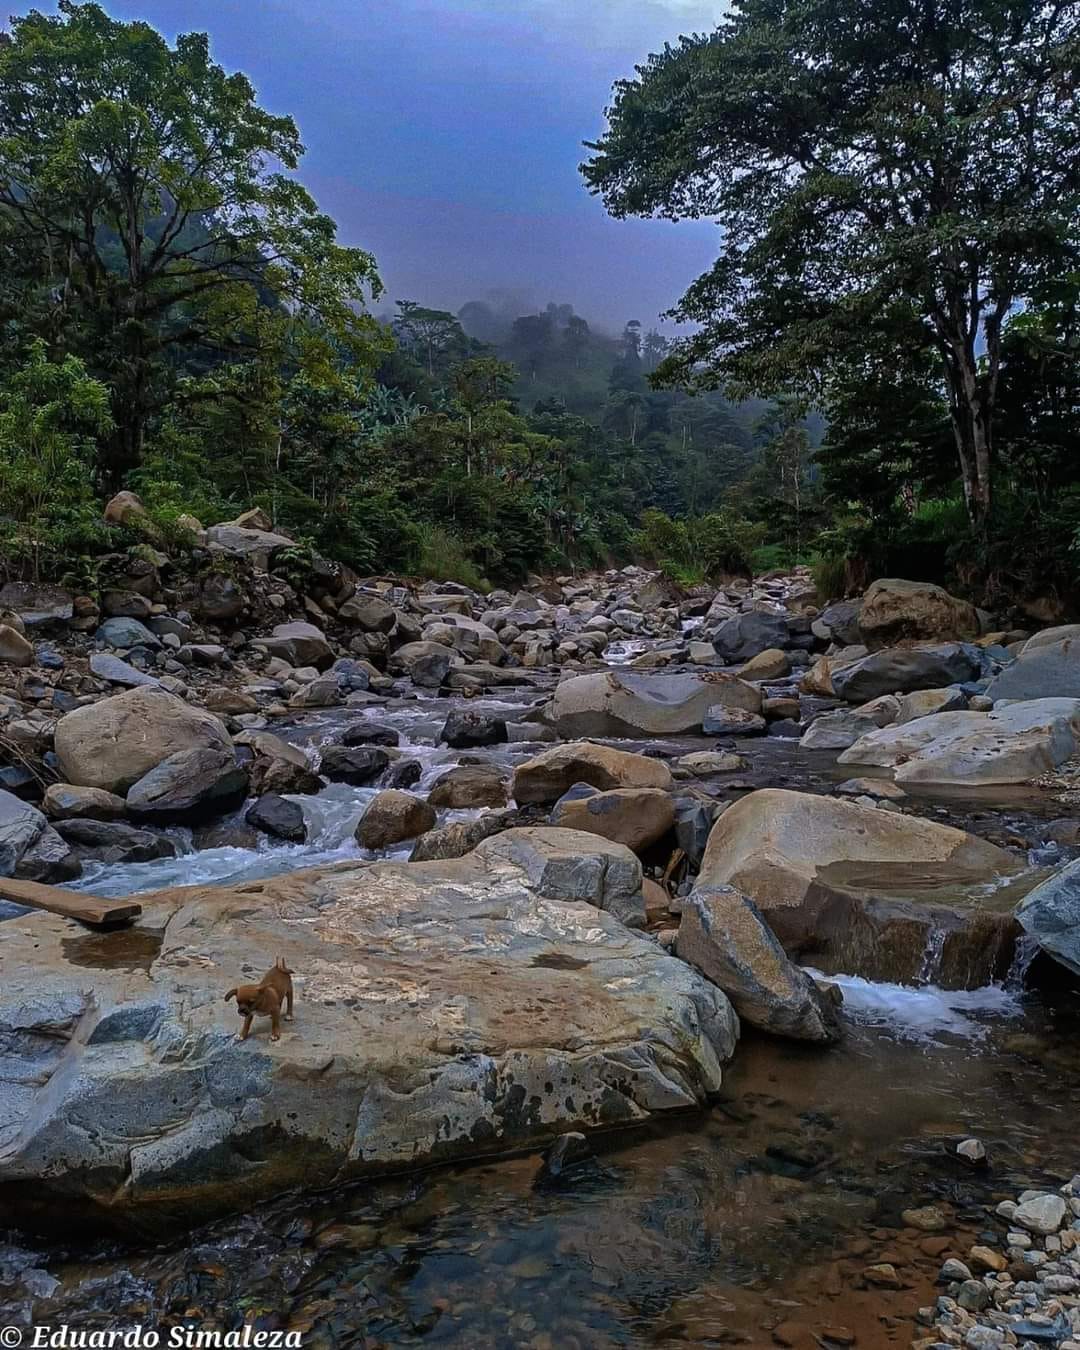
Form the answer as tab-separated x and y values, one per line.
750	1223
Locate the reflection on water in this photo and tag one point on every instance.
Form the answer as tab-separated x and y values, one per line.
703	1230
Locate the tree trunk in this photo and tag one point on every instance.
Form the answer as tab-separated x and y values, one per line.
971	400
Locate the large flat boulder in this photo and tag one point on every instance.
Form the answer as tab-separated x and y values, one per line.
899	670
1042	670
894	610
723	934
1051	914
853	888
607	703
1011	744
551	773
113	743
445	1010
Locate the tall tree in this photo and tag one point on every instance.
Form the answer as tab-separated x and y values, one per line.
855	155
142	186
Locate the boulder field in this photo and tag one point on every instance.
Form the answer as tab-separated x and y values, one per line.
444	1010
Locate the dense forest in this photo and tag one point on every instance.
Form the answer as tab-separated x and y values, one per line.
178	317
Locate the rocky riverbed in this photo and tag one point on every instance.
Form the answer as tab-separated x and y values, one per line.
785	885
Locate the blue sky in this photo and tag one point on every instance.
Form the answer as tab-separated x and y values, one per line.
444	135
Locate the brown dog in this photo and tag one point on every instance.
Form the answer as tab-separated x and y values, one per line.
265	999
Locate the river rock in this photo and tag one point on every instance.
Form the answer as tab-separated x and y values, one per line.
357	765
723	934
15	650
113	743
275	815
469	786
65	801
1047	670
771	664
625	704
126	605
463	729
703	763
369	613
370	733
1051	914
746	635
21	826
426	663
842	621
189	785
40	608
272	774
1012	744
392	817
301	644
220	599
838	729
49	859
459	837
894	610
899	670
843	886
636	817
111	841
125	508
551	773
325	692
124	634
721	721
259	546
133	1104
926	702
108	667
1042	1214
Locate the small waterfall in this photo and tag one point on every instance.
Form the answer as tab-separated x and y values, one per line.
1027	948
930	968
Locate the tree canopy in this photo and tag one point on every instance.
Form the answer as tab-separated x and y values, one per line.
887	173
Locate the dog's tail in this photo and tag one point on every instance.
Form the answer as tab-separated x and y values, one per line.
230	994
279	964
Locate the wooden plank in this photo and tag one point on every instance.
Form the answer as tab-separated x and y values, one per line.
94	910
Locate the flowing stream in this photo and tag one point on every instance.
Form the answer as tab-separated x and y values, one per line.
701	1230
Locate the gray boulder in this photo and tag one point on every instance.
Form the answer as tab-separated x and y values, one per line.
895	610
1051	914
357	765
369	613
112	744
21	826
463	729
426	663
277	816
626	704
1012	744
842	621
111	841
1042	670
132	1103
301	644
899	670
65	801
126	633
746	635
723	934
721	721
190	785
108	667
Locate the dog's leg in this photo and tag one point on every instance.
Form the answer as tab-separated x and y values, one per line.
288	1004
275	1023
246	1029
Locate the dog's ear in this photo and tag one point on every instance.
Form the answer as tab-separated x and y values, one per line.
230	994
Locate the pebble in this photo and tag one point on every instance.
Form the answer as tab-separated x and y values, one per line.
1026	1296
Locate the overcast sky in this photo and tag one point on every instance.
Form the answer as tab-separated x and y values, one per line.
445	135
